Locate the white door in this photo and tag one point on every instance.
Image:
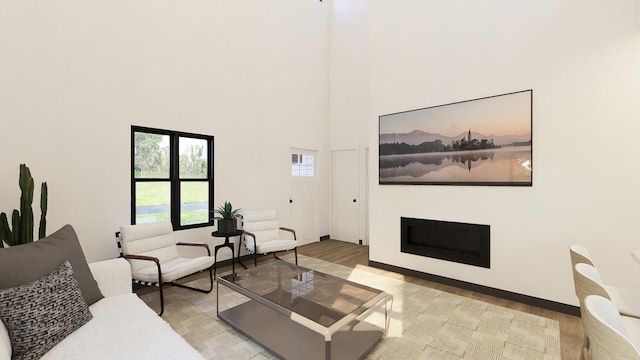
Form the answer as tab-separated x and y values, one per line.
345	202
303	201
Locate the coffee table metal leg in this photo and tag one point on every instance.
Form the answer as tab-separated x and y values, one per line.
327	350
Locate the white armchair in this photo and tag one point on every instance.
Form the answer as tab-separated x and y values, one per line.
263	235
153	254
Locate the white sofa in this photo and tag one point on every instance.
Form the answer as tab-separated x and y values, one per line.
123	326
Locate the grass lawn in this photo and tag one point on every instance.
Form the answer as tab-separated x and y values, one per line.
186	217
159	193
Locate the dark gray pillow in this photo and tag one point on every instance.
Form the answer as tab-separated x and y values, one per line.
22	264
40	314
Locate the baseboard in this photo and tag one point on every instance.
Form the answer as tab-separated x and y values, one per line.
325	237
503	294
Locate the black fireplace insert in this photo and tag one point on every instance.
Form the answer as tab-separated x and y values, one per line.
445	240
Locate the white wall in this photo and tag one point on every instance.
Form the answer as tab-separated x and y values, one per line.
582	60
75	75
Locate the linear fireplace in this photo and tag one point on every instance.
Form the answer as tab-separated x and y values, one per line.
453	241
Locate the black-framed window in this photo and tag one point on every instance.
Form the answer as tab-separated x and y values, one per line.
171	177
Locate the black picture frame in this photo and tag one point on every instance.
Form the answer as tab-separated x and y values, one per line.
485	141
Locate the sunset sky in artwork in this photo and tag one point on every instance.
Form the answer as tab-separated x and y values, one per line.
508	114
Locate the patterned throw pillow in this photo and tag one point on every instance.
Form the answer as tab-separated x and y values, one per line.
40	314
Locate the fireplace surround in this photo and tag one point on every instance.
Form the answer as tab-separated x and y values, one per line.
453	241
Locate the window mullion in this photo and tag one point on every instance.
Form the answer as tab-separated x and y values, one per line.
133	178
175	181
210	177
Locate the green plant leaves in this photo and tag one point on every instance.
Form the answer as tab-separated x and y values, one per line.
226	212
22	221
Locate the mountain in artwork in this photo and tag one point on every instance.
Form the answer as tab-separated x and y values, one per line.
417	137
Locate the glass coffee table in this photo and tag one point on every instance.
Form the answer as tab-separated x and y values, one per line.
299	313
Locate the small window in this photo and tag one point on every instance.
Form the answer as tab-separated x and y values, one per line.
172	177
302	165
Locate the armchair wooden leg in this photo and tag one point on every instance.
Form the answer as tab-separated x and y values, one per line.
295	251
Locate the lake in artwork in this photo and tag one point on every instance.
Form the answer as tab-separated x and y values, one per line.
504	165
486	141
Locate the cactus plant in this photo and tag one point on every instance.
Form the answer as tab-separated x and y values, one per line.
22	221
26	199
44	195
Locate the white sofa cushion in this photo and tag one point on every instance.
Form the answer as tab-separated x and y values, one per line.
123	327
113	276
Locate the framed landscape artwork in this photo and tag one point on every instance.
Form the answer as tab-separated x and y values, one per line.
484	141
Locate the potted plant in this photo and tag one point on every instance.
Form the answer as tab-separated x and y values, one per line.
227	222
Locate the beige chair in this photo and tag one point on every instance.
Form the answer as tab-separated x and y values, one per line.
579	254
627	300
263	235
588	282
611	336
153	253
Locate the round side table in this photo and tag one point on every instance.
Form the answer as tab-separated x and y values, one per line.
228	244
